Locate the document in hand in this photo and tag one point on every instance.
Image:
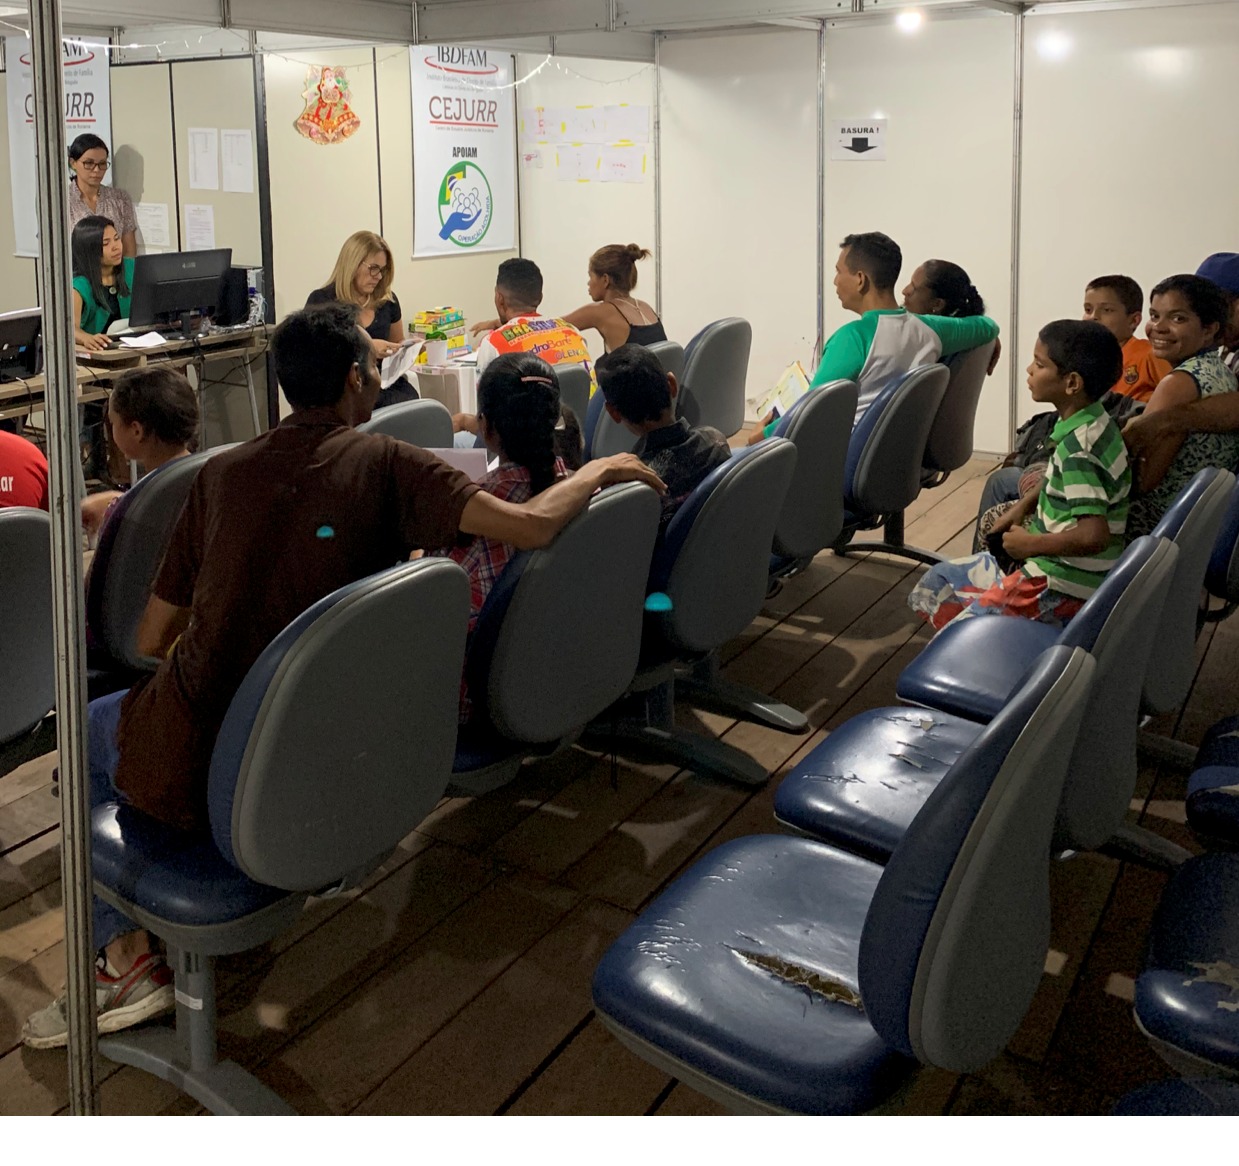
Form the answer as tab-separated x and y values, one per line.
791	386
400	362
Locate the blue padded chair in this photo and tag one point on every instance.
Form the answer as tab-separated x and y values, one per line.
28	678
885	455
781	975
716	369
425	422
1175	1097
338	742
558	638
950	442
1187	997
1222	575
670	356
865	783
575	387
604	436
710	568
1212	801
818	426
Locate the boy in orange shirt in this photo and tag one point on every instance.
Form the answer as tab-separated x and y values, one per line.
1117	302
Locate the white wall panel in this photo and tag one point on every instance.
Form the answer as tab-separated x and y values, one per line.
142	154
739	203
17	275
945	190
1131	161
563	223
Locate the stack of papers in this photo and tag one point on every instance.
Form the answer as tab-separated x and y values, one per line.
791	386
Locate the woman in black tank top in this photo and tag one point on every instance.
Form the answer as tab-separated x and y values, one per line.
615	313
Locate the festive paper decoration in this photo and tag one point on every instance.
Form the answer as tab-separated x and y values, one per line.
327	118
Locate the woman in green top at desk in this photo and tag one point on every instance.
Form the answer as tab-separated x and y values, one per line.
102	281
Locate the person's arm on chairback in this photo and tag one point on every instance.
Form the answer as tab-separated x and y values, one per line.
842	359
1175	392
533	524
960	333
1150	429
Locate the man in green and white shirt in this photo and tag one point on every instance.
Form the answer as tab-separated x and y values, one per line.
887	341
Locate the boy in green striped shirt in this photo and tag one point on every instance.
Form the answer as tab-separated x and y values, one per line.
1075	525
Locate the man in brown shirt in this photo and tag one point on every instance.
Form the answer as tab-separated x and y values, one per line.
269	528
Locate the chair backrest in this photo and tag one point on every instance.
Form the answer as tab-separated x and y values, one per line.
716	367
953	946
887	447
340	739
558	639
950	443
1222	575
574	389
714	559
425	422
604	436
131	547
1116	626
28	678
819	425
1192	522
670	356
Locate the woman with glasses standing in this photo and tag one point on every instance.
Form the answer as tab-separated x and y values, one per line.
363	276
88	159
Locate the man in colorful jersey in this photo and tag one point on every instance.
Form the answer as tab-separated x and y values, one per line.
886	341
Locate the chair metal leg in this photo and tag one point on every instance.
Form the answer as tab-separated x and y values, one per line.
893	543
704	687
249	384
186	1056
1156	747
656	733
1136	844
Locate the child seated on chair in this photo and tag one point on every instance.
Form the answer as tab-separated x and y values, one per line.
641	397
518	412
1078	518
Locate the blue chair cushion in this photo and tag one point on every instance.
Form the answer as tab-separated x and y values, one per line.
1188	995
1218	575
1213	789
971	668
177	876
862	786
1178	1098
725	972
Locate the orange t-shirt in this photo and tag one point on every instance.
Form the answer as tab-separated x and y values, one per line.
1142	371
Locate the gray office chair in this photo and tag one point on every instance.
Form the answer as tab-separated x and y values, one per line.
950	443
716	367
337	744
558	639
710	572
28	677
670	356
819	426
425	423
574	389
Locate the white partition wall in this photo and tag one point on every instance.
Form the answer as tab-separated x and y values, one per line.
944	191
563	223
739	191
17	275
1131	161
143	153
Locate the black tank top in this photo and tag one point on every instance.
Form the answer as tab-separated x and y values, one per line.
643	334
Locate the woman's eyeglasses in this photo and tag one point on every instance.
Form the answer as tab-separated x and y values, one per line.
98	167
374	270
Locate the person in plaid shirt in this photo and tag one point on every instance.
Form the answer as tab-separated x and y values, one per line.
518	409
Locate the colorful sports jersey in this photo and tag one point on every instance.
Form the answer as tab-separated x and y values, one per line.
1142	371
1087	475
556	341
889	342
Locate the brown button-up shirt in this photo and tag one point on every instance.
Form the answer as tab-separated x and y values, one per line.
112	203
269	528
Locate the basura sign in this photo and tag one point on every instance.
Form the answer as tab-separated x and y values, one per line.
858	139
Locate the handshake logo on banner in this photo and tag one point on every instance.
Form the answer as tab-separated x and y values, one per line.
465	205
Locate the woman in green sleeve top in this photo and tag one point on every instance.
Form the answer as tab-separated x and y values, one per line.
102	280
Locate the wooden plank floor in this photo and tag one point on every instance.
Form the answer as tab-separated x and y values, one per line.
457	979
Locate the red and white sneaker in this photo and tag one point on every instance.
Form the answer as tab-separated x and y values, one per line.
142	993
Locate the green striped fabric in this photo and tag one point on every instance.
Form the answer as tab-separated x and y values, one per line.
1087	475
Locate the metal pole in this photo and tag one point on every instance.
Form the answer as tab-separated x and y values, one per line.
658	176
1017	170
821	193
67	593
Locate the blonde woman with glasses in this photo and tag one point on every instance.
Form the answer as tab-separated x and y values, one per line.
88	159
363	276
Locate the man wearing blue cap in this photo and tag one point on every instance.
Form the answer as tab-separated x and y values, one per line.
1214	414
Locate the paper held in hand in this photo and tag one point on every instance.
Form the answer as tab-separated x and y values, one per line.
400	362
791	386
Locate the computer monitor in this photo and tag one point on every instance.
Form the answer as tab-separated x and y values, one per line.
174	286
21	354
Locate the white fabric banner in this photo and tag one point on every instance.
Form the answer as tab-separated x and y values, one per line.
88	110
464	150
